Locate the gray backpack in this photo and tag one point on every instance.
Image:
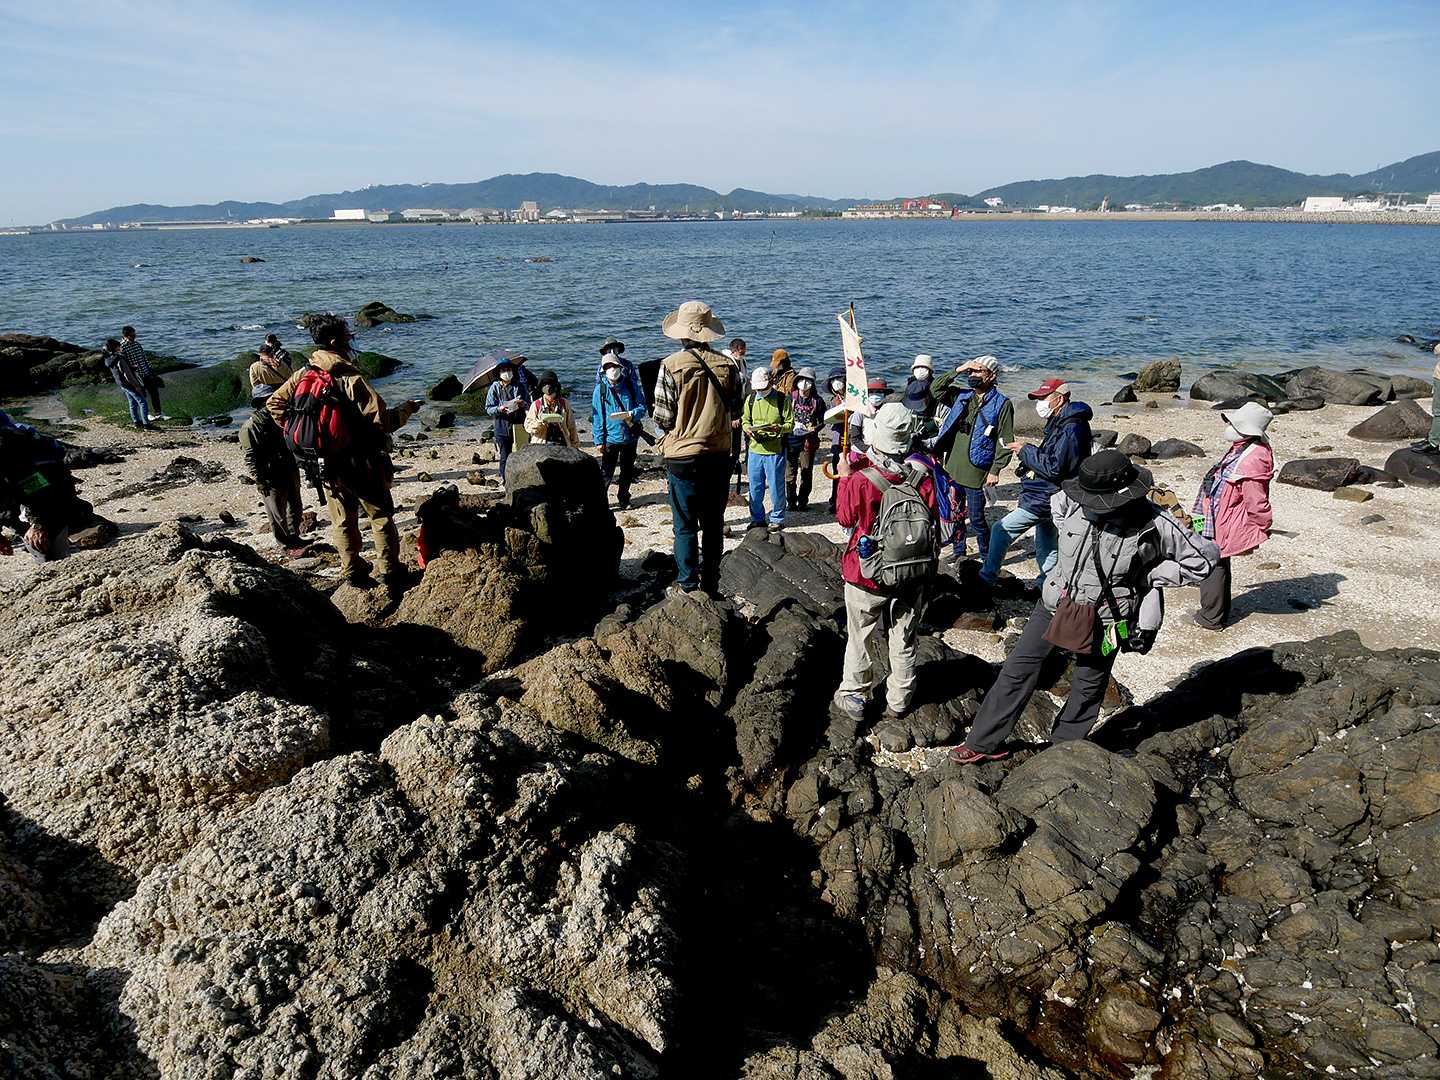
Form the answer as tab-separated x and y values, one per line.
904	535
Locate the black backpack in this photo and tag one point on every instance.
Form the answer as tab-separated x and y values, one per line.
906	546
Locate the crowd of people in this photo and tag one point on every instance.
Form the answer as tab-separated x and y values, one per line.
912	475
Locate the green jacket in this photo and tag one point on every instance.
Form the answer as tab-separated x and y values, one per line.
762	412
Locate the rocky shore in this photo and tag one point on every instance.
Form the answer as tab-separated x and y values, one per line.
257	822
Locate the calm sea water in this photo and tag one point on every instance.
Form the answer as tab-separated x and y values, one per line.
1088	300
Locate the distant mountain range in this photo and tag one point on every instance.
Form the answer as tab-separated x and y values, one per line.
1241	182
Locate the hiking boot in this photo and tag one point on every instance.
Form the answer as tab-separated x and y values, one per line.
965	756
1425	446
399	581
848	705
360	579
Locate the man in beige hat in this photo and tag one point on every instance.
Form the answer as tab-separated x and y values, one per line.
697	396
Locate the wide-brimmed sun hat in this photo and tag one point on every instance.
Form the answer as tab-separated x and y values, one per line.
889	429
692	321
548	378
807	373
612	344
924	360
1107	480
1250	420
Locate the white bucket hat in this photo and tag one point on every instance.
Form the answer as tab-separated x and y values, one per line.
1250	420
924	360
889	429
693	321
760	379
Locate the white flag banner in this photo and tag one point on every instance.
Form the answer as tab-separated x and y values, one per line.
857	390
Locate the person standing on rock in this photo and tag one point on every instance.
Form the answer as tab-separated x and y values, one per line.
361	479
269	371
616	410
697	397
506	401
835	382
808	407
269	461
872	612
135	354
1043	468
1116	551
767	418
130	383
974	440
1233	506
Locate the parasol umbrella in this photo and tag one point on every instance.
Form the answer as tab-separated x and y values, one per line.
482	372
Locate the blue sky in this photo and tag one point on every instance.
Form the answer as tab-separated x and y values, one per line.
111	102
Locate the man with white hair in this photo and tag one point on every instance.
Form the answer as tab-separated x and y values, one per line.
974	439
871	611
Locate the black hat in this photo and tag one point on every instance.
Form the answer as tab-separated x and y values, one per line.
548	376
612	345
1107	480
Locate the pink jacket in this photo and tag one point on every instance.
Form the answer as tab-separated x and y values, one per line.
1242	516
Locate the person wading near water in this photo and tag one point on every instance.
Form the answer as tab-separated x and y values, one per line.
697	395
974	440
767	417
135	353
1233	506
269	461
506	401
361	479
549	418
268	372
1117	550
873	612
803	441
616	409
1042	470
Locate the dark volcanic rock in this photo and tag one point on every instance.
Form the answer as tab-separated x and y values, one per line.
1415	468
447	389
1400	420
1321	474
1103	437
1357	387
1159	376
1125	395
30	364
1299	404
1224	384
1134	445
375	313
764	576
1173	448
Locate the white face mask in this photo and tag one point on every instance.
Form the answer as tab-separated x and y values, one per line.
507	376
922	373
837	385
804	386
1232	434
613	375
1043	409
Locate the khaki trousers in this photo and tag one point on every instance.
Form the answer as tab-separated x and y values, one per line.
345	507
868	616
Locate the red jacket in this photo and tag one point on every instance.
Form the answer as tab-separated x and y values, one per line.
857	505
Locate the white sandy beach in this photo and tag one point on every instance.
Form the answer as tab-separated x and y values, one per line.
1321	572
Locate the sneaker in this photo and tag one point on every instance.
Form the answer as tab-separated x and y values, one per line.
677	590
849	705
297	552
1425	446
162	416
965	756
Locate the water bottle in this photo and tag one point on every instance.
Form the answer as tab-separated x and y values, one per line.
865	546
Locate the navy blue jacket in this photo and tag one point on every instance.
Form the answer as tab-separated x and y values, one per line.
1057	458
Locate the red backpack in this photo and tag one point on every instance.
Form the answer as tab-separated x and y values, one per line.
319	426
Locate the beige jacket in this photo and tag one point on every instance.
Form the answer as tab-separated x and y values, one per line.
536	427
263	374
374	461
688	408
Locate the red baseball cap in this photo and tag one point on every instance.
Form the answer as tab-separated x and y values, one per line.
878	383
1048	387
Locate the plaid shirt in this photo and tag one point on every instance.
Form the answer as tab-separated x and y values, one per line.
132	352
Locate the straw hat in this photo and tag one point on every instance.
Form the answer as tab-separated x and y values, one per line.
692	321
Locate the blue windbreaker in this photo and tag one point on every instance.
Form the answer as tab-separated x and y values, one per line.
1065	445
624	396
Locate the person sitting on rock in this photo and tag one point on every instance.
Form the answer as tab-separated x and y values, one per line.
766	418
37	494
1233	506
278	351
1043	468
362	479
872	612
130	383
268	372
269	461
549	419
1117	550
506	401
616	410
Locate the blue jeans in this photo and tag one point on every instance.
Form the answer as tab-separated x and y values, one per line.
1013	524
699	491
139	413
766	469
975	522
